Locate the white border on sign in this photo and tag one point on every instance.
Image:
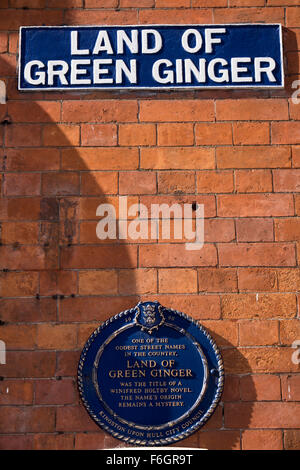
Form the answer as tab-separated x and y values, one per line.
192	87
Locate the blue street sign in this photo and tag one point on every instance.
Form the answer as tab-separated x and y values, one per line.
150	375
151	57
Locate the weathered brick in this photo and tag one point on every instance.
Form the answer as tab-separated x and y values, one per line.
100	158
258	415
259	306
253	181
260	387
254	229
103	282
255	205
54	392
217	133
253	157
257	280
215	181
258	332
251	133
137	134
217	280
174	134
176	255
251	109
58	336
176	110
93	135
176	182
177	281
184	158
253	439
16	392
99	111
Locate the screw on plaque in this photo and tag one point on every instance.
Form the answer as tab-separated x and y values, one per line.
214	372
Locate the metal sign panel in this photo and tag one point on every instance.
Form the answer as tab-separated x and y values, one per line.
150	375
151	57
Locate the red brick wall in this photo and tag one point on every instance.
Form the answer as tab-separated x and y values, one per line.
62	154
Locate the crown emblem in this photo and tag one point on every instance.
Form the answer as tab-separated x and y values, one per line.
149	316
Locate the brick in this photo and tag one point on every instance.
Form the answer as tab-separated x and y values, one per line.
224	332
219	230
251	133
219	440
138	281
23	135
251	109
249	15
100	158
176	182
215	182
287	229
137	134
3	42
58	282
98	282
246	3
18	337
172	3
286	180
28	310
258	360
26	3
261	387
91	309
74	418
217	280
177	281
28	184
88	17
257	280
27	419
176	16
14	284
253	181
16	442
98	134
16	392
84	257
13	46
285	132
61	337
185	158
53	442
27	258
29	159
292	17
209	3
176	255
54	392
217	133
261	415
20	209
292	439
258	306
288	279
254	230
173	134
258	333
262	439
176	110
253	157
289	331
34	364
137	182
255	205
8	64
296	156
61	135
97	183
84	332
67	363
290	387
231	391
39	111
97	440
99	111
60	184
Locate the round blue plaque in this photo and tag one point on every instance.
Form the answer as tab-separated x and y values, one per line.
150	375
